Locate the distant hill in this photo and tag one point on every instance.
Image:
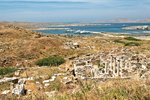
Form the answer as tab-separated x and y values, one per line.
126	20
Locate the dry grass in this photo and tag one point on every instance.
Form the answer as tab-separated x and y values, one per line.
112	90
22	45
117	89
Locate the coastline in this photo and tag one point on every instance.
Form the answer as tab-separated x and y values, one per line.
48	29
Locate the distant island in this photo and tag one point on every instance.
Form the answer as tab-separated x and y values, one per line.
126	20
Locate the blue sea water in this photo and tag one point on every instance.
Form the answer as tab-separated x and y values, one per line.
112	27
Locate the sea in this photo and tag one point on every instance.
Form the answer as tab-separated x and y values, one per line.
115	28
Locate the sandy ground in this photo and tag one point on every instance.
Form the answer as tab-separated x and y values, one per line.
143	37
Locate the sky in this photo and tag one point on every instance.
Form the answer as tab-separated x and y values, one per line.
72	10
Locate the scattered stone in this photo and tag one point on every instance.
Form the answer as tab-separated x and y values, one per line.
37	82
44	77
6	79
6	92
60	74
17	73
67	80
46	85
52	79
72	45
51	94
46	81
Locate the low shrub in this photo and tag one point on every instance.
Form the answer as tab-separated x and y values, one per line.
131	39
132	44
51	61
118	41
7	70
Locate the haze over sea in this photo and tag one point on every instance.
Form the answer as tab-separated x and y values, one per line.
72	10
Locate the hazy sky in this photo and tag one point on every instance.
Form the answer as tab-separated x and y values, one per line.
72	10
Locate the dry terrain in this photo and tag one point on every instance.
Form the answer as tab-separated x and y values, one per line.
21	48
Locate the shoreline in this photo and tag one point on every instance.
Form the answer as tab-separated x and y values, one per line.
34	29
105	34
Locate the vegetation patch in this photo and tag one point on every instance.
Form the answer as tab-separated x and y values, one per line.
51	61
128	43
7	70
132	39
119	41
132	44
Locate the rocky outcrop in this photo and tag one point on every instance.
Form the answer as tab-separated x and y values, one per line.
7	61
137	28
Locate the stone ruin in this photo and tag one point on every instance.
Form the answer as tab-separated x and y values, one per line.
71	45
18	88
119	63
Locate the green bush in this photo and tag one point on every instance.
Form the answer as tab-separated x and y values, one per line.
7	70
132	44
128	43
50	61
131	39
118	41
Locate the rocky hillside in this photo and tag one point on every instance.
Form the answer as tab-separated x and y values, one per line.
109	67
21	47
18	45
